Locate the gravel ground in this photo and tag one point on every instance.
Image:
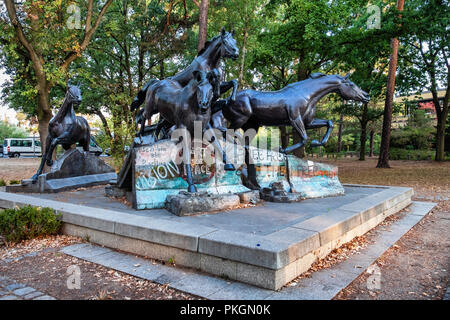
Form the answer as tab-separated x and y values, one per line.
47	270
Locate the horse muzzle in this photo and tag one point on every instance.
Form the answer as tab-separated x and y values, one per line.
365	98
204	108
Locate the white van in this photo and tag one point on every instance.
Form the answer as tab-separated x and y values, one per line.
93	147
15	147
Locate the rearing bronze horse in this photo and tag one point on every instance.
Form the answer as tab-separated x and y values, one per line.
208	59
65	128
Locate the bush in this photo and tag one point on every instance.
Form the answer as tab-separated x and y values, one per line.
405	154
28	223
14	182
2	183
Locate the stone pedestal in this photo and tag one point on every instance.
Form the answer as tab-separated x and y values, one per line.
74	169
188	204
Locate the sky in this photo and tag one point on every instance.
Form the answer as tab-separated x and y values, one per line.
4	110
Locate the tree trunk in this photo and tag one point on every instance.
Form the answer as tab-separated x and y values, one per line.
162	72
362	141
363	138
203	24
284	137
442	115
383	160
372	134
244	48
440	136
302	74
341	125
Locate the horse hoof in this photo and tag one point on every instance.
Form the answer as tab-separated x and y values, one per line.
49	163
229	167
283	151
192	189
34	179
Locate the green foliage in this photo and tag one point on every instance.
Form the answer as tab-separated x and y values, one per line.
2	183
10	131
418	134
14	182
404	154
28	223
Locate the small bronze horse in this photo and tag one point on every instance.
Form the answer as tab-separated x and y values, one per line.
294	105
65	128
182	107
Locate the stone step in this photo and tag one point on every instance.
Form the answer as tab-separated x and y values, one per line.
322	285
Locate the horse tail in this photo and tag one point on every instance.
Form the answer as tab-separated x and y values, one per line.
140	98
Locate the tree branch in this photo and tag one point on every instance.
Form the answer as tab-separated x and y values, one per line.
38	67
87	37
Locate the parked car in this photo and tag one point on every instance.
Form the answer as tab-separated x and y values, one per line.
15	147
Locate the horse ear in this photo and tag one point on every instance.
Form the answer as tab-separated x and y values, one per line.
223	32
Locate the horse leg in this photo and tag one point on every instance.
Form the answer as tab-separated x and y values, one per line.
225	86
251	167
300	128
187	162
43	159
240	112
319	123
142	128
211	137
62	139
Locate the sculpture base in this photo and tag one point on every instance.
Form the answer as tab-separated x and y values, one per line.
266	246
188	204
73	170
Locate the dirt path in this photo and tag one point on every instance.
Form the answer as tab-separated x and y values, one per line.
417	267
18	169
47	272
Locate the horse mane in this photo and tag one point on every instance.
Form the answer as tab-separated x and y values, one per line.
207	44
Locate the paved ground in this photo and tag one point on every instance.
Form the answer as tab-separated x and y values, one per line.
12	290
53	274
323	285
260	220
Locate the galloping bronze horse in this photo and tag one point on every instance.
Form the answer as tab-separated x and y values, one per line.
295	105
65	128
183	106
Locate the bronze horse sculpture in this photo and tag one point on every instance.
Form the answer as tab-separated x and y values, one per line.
294	105
182	107
65	128
208	59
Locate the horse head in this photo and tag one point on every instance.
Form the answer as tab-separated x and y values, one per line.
229	47
204	90
74	94
350	91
